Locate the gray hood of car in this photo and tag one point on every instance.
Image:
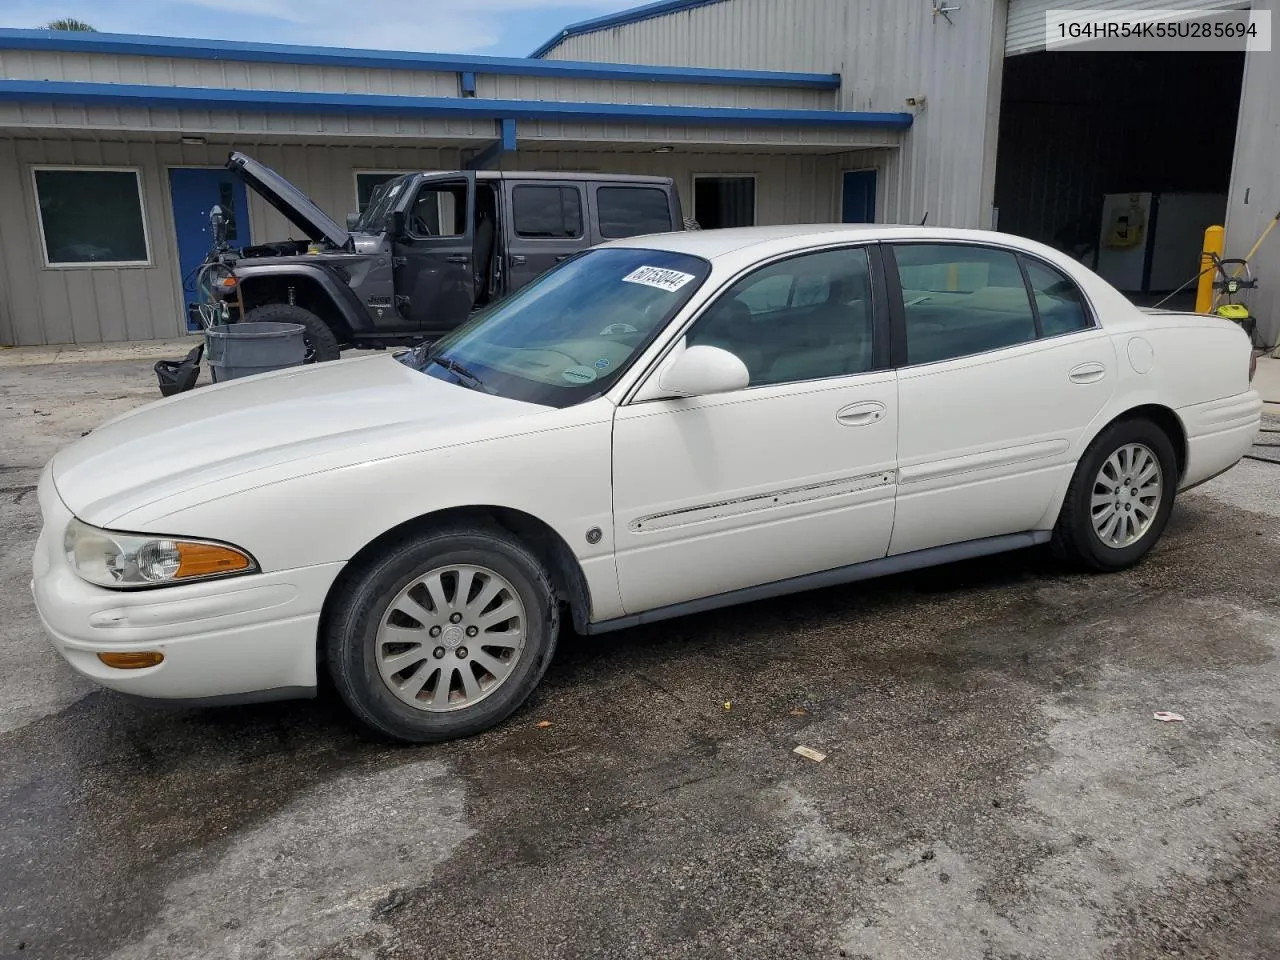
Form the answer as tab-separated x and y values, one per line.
300	209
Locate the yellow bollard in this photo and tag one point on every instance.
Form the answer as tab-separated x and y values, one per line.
1215	241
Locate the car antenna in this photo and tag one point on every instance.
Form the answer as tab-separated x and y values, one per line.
924	218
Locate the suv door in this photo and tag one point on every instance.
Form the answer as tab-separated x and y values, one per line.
433	253
624	209
546	223
996	389
793	474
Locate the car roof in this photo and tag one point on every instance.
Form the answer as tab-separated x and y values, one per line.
555	175
767	241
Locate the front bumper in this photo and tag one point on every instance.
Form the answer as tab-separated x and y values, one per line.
250	637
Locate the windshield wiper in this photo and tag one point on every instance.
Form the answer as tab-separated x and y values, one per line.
458	370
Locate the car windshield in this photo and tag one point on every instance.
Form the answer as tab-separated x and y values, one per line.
380	204
570	334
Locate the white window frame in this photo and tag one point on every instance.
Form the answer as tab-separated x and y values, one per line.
91	264
357	174
755	193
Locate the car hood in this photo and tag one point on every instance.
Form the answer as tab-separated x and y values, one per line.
230	436
300	209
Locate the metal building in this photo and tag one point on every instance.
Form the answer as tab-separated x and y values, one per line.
762	111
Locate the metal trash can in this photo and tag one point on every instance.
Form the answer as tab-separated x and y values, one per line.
243	349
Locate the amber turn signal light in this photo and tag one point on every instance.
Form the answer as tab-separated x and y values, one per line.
132	659
208	560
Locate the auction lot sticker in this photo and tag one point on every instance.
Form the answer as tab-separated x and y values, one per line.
660	277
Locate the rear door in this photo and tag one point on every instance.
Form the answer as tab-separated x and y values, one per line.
546	223
631	209
996	389
433	255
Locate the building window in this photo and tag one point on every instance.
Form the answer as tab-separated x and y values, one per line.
724	201
550	212
91	216
633	211
368	182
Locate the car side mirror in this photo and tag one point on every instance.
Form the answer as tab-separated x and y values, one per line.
395	223
703	370
352	220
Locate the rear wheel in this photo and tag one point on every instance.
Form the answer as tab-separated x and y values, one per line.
320	342
443	636
1120	497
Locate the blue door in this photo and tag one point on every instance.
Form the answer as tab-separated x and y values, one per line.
194	191
859	203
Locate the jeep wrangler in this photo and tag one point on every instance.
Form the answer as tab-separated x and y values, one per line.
428	250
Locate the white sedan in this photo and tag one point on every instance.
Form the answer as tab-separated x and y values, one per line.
657	426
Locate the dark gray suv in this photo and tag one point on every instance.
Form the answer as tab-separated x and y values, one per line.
429	249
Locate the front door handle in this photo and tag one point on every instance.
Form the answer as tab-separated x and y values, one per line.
1087	373
458	258
861	414
517	260
563	257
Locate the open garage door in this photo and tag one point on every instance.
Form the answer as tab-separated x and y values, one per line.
1025	32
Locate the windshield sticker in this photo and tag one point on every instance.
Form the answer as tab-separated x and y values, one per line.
578	374
660	277
602	363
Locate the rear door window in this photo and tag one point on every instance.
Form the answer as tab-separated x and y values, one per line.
961	299
550	212
632	211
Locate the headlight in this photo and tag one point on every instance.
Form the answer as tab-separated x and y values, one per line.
112	559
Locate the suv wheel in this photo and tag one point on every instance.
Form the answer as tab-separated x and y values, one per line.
321	343
443	636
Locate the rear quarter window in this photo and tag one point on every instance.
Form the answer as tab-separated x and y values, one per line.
632	211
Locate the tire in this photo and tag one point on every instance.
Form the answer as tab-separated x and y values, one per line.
369	626
1077	537
321	343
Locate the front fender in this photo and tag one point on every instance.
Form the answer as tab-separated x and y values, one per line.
343	297
559	475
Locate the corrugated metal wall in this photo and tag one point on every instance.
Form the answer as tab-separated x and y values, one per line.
85	305
172	72
1027	17
885	51
1255	186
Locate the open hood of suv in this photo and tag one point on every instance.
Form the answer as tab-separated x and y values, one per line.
300	209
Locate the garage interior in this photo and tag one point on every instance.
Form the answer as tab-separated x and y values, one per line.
1082	132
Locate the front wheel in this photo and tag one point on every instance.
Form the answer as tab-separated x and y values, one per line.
443	636
1120	497
319	340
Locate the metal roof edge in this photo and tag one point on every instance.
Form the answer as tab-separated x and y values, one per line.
636	14
284	101
122	44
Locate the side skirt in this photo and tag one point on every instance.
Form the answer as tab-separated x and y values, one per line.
867	570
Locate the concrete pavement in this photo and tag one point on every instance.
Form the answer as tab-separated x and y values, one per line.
995	785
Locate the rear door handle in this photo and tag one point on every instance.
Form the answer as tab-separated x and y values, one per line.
861	414
518	260
458	258
1087	373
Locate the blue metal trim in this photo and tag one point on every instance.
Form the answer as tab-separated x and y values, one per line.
646	12
467	83
289	101
129	45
